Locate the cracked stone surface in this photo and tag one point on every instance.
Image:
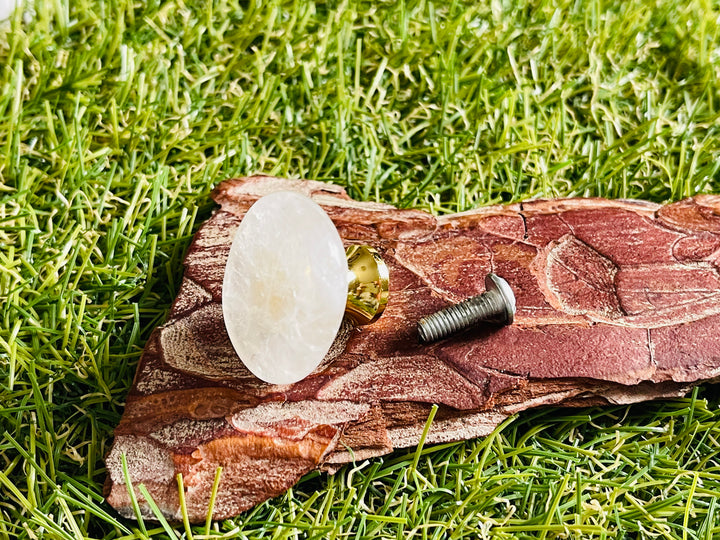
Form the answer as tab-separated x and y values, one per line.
617	302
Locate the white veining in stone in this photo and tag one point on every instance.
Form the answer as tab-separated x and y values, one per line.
285	287
146	461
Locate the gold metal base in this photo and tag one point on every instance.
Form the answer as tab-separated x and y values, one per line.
368	284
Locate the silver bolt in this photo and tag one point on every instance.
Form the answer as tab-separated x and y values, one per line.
495	305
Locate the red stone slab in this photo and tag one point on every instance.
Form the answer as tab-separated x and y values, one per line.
618	302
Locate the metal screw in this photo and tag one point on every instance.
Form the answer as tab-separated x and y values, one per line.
496	305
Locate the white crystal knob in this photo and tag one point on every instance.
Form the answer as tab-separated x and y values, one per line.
285	287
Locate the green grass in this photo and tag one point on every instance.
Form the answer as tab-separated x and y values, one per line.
118	118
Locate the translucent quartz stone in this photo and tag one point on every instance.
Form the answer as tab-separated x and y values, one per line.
7	7
285	287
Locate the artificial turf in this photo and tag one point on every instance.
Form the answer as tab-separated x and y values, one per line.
116	120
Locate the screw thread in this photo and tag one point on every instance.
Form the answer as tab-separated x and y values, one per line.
483	307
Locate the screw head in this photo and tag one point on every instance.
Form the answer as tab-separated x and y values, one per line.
499	285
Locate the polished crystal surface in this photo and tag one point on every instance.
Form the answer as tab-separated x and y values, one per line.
7	7
285	287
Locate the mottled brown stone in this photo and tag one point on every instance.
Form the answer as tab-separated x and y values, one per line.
618	302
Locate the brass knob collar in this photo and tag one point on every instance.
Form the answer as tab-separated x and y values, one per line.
368	284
